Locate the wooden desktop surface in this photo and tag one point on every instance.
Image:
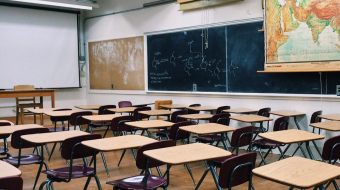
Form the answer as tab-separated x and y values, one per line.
156	112
291	136
188	153
29	93
289	113
196	116
52	137
7	122
327	125
202	108
330	117
59	113
123	110
40	111
105	117
7	130
298	172
207	128
118	143
173	106
240	110
150	124
88	107
8	170
250	118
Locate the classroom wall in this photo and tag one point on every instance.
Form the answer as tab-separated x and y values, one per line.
168	17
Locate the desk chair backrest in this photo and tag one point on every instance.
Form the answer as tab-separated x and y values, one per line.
62	118
73	149
175	114
3	123
103	109
314	118
331	149
117	124
264	112
24	87
193	111
77	119
281	123
141	158
138	116
222	118
11	183
16	137
177	134
242	137
237	170
220	109
123	104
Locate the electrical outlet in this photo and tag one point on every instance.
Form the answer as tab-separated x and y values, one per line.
338	90
112	86
194	87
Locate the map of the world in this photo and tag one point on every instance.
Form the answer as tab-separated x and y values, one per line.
302	31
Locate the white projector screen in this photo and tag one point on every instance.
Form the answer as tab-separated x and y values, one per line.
38	47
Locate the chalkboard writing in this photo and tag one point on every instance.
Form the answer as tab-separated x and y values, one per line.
177	62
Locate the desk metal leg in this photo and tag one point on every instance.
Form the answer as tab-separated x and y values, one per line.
299	147
284	152
297	124
213	173
223	142
309	151
104	161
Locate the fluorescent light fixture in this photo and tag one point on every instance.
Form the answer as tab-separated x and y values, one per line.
55	4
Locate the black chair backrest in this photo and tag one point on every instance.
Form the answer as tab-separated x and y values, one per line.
222	118
176	134
63	118
123	104
4	123
237	170
103	109
281	123
138	116
11	183
76	118
141	158
314	118
220	109
193	111
327	152
175	114
16	137
117	124
264	112
242	137
80	151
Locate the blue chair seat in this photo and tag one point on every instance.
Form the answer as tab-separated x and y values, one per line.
25	159
78	171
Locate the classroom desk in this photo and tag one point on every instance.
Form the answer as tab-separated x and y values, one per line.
157	113
209	128
142	105
151	124
7	122
123	110
198	116
55	114
118	143
298	172
293	136
88	107
54	137
184	154
100	118
41	112
327	125
8	130
173	106
241	111
29	93
8	170
203	108
289	113
335	117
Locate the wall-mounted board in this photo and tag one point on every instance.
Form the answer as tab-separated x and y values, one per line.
117	64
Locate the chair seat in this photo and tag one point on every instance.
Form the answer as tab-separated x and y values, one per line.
266	143
208	138
257	129
58	129
162	133
137	183
25	159
218	162
96	124
78	171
